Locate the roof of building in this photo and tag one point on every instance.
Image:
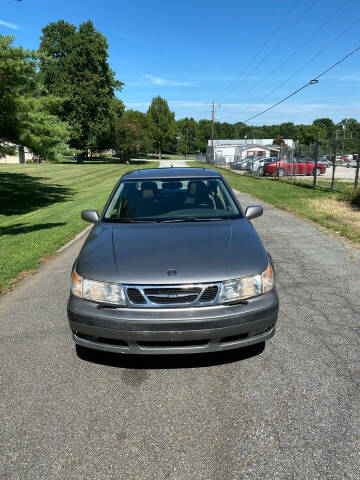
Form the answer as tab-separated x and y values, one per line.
246	141
256	145
181	172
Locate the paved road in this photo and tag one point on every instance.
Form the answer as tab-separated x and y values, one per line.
172	163
290	412
341	172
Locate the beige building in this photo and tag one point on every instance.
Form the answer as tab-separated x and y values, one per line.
21	154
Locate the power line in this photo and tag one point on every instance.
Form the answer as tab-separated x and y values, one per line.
311	82
260	50
300	47
311	59
277	44
233	81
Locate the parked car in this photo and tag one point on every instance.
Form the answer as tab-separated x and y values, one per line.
251	161
298	166
324	161
172	265
258	165
239	165
351	163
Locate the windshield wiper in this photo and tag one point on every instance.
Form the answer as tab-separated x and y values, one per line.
130	220
192	219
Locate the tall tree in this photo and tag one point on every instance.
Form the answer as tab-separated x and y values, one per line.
79	72
160	122
27	116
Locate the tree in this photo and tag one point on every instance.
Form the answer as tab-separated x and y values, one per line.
326	124
186	130
80	74
160	122
27	117
131	136
204	133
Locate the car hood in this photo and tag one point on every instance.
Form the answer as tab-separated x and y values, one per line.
198	252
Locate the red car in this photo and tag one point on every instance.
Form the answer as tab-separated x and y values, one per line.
299	166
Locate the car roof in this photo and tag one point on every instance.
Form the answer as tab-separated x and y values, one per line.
175	172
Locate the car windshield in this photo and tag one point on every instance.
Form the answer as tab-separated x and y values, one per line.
166	200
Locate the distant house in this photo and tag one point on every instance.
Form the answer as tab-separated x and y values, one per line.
20	155
226	151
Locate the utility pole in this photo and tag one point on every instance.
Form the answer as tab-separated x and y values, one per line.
316	162
344	133
356	183
187	141
334	163
212	131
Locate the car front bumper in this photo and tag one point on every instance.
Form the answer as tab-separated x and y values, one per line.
173	330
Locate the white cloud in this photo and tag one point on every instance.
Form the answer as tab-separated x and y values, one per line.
352	77
9	25
162	81
153	80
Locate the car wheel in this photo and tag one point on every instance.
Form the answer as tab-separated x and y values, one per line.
317	171
280	172
260	171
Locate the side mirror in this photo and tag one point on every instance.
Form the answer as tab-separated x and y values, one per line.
253	212
91	216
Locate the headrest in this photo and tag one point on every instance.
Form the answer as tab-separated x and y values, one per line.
171	185
147	193
197	187
149	186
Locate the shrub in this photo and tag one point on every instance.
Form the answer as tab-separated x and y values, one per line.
355	198
352	196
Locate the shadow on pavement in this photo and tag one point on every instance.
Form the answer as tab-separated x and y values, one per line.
155	362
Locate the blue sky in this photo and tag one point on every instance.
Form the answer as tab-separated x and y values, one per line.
244	54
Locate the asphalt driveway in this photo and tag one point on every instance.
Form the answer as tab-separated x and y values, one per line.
289	412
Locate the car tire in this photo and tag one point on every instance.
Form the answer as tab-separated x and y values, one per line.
317	171
280	172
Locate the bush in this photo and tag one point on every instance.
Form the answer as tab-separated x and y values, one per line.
352	196
355	198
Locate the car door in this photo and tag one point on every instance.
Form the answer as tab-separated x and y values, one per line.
300	166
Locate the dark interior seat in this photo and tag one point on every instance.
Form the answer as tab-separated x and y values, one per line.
149	204
198	194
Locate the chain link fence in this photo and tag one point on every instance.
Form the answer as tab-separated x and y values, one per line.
324	164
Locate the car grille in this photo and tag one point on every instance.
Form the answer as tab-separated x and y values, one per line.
135	296
209	294
172	295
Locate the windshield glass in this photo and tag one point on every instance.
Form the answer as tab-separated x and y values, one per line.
171	200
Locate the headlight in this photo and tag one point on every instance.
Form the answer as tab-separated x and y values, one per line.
247	287
101	292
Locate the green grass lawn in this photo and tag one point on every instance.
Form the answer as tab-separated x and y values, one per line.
318	205
40	208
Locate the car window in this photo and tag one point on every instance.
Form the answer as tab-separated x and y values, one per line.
171	199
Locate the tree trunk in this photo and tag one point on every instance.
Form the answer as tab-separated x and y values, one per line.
159	152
